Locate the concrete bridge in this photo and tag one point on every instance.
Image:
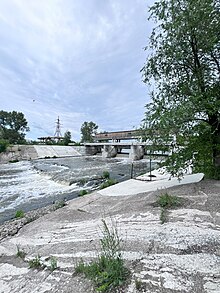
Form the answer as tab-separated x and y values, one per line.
137	150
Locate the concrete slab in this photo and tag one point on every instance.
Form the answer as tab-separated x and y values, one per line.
133	186
180	256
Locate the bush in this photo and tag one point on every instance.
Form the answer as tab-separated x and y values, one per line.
108	271
20	253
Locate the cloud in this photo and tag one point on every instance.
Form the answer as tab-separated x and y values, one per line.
77	59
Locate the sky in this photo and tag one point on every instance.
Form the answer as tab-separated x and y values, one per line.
76	59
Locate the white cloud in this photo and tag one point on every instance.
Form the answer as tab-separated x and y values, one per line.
77	59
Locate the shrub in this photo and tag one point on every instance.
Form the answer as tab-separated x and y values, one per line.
19	214
108	271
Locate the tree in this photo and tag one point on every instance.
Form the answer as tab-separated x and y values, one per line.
67	137
13	126
88	129
183	67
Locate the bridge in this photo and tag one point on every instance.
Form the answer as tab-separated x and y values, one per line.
109	144
117	136
137	150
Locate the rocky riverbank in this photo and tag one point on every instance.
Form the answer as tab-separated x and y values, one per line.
182	255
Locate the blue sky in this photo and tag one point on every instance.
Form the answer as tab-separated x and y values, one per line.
76	59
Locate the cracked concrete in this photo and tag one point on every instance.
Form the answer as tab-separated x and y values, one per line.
179	256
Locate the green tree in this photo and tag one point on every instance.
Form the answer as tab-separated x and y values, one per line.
67	137
88	129
183	67
13	126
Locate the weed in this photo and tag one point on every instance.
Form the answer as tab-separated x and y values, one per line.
106	175
36	263
163	215
108	183
83	192
167	201
19	214
83	181
20	253
108	271
53	263
138	284
59	204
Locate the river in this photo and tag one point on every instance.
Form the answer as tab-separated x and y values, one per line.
27	185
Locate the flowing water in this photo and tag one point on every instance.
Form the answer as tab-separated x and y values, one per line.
28	185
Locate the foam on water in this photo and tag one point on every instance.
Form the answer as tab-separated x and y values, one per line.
25	183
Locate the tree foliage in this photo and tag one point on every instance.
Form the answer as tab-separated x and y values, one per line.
88	129
67	137
13	126
183	68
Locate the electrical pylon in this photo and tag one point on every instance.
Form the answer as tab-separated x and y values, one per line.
58	128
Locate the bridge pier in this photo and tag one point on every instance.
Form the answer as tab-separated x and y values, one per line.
136	152
92	150
109	151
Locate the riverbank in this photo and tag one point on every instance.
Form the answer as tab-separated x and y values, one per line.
180	256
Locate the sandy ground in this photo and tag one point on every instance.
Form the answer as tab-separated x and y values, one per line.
180	256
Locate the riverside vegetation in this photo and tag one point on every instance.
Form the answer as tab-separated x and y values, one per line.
108	271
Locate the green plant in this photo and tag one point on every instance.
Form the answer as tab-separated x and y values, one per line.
83	192
20	253
3	145
167	201
19	214
36	262
108	183
108	271
53	263
59	204
106	175
138	284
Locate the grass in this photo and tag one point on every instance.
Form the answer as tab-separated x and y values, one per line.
106	175
166	201
108	183
59	204
19	214
36	263
108	271
53	263
20	253
83	192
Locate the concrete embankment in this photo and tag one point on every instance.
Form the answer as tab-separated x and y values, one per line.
180	256
31	152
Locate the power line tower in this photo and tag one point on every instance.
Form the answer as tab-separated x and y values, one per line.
58	128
